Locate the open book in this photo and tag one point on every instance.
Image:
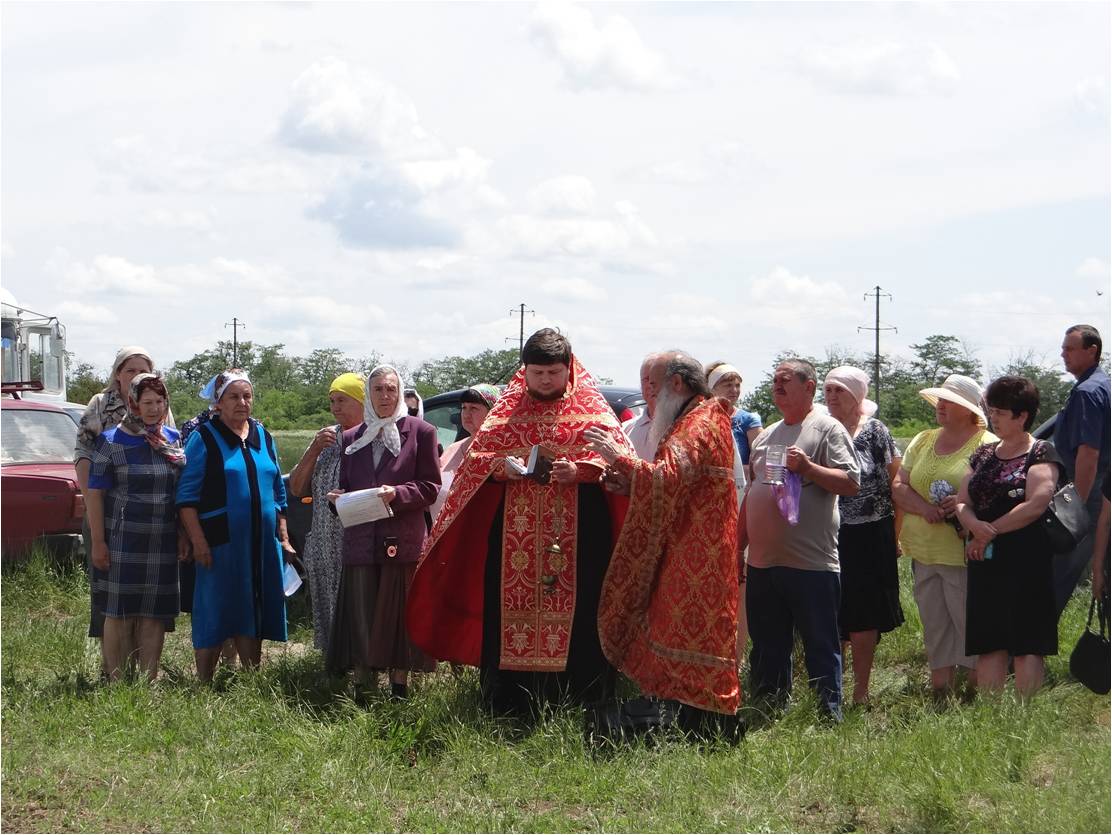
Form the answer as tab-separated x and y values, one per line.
539	465
361	506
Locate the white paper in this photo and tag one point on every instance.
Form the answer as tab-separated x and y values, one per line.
520	469
291	580
361	506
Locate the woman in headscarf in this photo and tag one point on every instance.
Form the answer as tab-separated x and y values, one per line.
934	465
105	410
316	475
207	393
475	404
870	526
232	505
134	529
397	452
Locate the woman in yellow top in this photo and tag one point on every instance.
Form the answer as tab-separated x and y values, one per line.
934	464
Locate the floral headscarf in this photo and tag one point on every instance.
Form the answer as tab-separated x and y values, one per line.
133	423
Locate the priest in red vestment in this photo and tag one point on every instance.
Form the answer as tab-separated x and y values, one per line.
510	577
668	615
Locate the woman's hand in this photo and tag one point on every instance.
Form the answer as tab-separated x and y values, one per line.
934	515
335	494
185	550
288	547
564	471
388	494
949	505
99	556
201	554
983	533
325	438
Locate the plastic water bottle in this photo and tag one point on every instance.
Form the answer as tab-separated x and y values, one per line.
776	463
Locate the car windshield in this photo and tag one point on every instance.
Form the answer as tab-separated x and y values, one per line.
31	436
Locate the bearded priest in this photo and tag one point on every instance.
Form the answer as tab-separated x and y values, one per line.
668	615
510	578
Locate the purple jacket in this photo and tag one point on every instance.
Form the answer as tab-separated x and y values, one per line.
415	474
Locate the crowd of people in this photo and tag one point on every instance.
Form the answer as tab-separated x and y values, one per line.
553	547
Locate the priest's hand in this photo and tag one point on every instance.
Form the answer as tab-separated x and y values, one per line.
615	482
508	473
599	441
564	471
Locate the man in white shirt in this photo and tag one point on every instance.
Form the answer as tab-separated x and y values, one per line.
637	429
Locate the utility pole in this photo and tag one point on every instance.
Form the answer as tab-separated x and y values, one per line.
235	325
876	293
521	330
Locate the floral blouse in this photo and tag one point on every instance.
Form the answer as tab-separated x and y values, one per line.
875	451
996	486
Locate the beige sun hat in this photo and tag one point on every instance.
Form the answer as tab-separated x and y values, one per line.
959	389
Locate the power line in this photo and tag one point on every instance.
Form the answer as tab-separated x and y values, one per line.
521	332
877	328
235	325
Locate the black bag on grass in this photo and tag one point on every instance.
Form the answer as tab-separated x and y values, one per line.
1090	661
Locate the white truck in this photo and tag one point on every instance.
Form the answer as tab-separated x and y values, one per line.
33	352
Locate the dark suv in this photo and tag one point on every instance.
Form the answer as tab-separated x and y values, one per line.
442	411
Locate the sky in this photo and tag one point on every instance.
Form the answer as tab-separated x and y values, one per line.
730	179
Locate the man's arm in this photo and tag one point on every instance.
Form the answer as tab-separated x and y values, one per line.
831	479
1085	470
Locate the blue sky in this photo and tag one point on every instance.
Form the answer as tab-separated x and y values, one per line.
726	178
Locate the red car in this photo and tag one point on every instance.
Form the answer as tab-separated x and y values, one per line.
39	493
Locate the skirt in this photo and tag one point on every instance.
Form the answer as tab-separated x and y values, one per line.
870	578
1010	602
368	627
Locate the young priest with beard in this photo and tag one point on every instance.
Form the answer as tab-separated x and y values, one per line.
511	574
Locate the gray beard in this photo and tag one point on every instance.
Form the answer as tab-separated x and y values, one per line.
668	406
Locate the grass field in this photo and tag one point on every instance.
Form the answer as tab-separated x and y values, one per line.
289	749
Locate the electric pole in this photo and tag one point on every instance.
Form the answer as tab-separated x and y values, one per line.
235	325
876	293
521	330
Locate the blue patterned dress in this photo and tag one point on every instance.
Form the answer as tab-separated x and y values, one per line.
140	526
236	487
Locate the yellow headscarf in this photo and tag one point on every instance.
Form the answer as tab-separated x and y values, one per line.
350	384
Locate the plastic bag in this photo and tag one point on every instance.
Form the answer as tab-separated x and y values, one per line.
787	496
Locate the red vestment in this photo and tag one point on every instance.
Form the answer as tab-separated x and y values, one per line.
539	540
668	616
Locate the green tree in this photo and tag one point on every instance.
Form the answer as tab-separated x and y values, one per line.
1054	387
939	356
435	376
82	379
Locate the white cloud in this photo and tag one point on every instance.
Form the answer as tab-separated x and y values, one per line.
189	220
566	195
1093	268
573	289
6	249
152	167
86	314
112	275
338	108
611	236
1091	96
882	68
321	311
467	168
721	162
593	56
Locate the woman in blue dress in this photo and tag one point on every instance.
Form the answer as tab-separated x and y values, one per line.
133	528
232	505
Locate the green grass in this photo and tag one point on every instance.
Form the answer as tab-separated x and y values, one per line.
288	749
291	445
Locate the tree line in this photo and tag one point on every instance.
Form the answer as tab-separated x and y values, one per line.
291	392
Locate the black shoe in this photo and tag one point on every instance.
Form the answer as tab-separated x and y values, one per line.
399	691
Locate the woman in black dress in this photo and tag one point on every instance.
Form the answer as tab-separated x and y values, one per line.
1010	603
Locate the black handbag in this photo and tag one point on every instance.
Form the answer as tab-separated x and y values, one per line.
1090	661
1065	520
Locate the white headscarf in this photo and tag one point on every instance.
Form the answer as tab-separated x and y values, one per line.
228	379
856	382
387	426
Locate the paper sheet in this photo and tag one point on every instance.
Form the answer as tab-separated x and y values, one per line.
361	506
291	580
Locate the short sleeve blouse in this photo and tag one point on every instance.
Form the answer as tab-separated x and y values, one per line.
996	486
875	451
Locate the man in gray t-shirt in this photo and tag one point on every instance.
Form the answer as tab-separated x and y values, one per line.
792	580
